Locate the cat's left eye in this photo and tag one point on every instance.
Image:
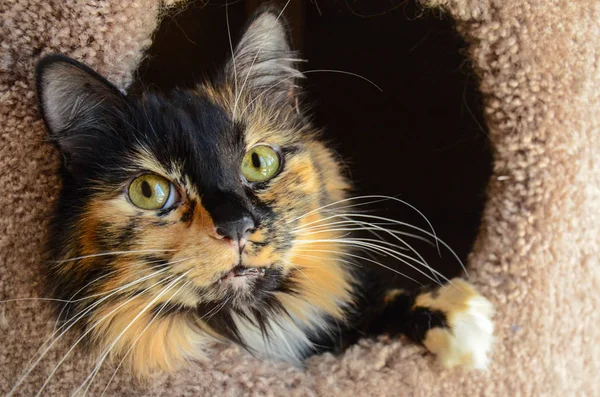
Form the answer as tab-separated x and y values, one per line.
260	163
152	192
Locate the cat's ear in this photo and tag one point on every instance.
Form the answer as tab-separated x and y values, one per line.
263	63
75	101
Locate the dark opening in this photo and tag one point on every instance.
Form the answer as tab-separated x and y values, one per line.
422	139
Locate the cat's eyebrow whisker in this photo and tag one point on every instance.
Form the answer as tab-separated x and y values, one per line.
235	82
361	258
95	371
69	324
257	97
113	253
379	249
89	330
255	58
156	316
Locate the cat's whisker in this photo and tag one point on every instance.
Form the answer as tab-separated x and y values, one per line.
323	227
235	82
345	221
379	249
237	97
372	231
55	330
378	199
92	376
432	235
81	314
113	253
374	241
156	316
35	299
88	331
212	312
87	309
161	267
382	197
395	236
360	229
394	233
301	272
367	226
358	257
69	324
129	266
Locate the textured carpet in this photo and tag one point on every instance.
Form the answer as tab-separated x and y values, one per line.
537	255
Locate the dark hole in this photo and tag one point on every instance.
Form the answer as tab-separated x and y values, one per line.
422	139
146	189
255	160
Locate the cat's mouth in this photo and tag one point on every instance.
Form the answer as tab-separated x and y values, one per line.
243	271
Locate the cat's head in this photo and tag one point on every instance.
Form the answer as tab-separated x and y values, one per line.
190	205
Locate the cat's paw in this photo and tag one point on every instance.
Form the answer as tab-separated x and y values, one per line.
467	337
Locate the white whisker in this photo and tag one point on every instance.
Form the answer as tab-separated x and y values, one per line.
110	253
235	82
380	249
257	97
361	258
55	330
255	58
69	324
95	371
383	197
162	307
88	331
437	239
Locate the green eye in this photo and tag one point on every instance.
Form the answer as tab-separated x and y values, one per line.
151	192
260	164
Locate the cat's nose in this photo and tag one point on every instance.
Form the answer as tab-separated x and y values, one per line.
236	230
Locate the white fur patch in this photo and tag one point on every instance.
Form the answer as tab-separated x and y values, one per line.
286	340
469	339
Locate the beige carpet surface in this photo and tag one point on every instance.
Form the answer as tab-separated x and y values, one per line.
537	256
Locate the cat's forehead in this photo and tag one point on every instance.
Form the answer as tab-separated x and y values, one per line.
192	138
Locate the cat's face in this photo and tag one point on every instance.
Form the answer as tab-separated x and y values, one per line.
192	202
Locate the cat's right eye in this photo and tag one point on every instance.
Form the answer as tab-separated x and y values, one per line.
152	192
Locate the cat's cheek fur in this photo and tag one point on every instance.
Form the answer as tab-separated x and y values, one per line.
152	342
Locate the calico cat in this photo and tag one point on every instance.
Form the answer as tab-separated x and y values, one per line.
219	214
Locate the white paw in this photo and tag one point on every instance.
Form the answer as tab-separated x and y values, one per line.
468	339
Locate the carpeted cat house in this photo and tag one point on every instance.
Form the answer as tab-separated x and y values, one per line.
536	256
